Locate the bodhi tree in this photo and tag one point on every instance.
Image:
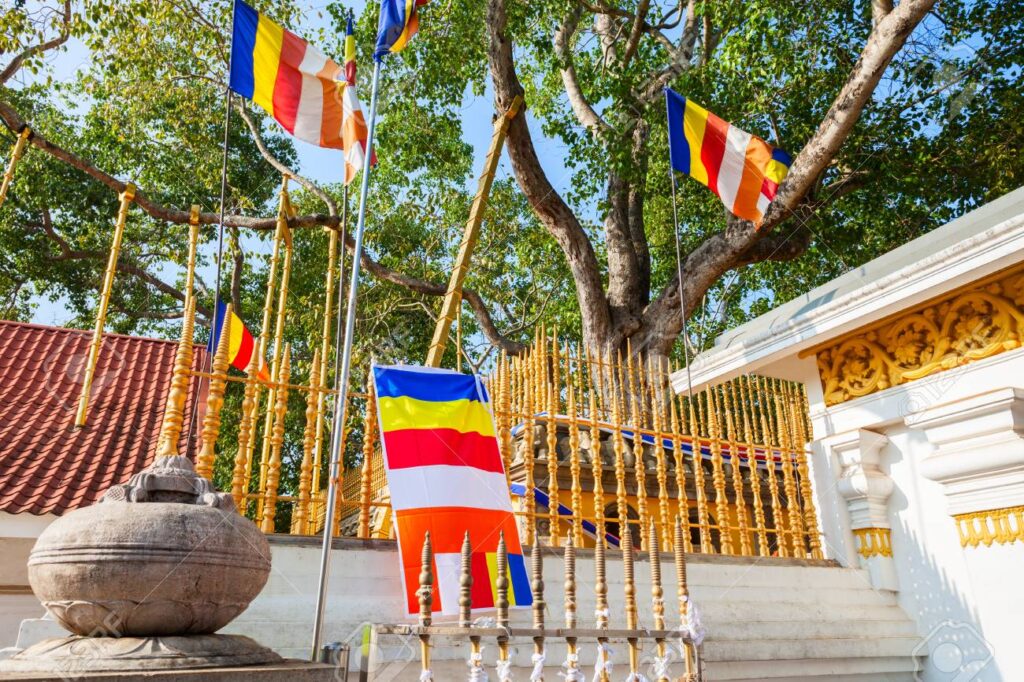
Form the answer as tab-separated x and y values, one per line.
875	101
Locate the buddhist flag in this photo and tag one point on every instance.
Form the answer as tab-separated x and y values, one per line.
742	169
446	476
353	130
289	78
398	23
241	344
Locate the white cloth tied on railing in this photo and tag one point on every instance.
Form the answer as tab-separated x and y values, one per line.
636	677
602	614
693	626
603	662
538	666
476	667
660	666
426	675
572	672
504	670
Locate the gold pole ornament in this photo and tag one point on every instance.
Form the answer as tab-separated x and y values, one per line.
193	247
126	198
243	461
276	443
537	590
177	392
308	444
215	400
425	594
19	148
325	353
366	475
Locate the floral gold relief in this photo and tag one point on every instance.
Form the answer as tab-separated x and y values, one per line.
981	320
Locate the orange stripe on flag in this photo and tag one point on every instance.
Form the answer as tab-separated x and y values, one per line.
758	156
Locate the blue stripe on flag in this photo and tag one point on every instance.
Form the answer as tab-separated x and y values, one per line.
782	157
425	384
243	43
678	148
211	345
520	583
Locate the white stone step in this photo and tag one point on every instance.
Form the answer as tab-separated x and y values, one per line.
836	596
878	668
763	574
811	629
726	611
801	649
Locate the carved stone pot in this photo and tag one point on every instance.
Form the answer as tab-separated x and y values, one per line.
163	555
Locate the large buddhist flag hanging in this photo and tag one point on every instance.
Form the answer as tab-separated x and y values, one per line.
399	22
241	344
446	476
286	76
742	169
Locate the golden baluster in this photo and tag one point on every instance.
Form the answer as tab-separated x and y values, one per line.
696	411
366	475
683	597
308	448
755	479
778	516
325	355
657	595
601	613
683	498
501	600
621	504
276	444
574	451
193	247
529	501
239	478
796	521
661	466
425	597
126	197
504	416
629	590
737	468
596	466
718	474
806	492
639	465
552	388
177	391
275	365
19	148
215	401
537	591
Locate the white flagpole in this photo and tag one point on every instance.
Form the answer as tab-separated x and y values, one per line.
342	377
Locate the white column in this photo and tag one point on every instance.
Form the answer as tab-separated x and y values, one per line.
866	489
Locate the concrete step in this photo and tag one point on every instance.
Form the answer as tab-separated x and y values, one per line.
879	669
751	595
772	576
726	611
815	649
812	629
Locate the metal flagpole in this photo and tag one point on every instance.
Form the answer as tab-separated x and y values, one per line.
342	376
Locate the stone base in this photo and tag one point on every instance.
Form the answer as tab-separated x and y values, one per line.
288	671
72	656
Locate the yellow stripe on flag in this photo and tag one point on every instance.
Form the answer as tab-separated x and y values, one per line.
492	570
775	171
695	120
409	413
266	58
236	333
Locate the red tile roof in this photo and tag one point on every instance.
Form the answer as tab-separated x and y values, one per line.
46	464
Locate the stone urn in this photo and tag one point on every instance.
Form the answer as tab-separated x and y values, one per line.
160	564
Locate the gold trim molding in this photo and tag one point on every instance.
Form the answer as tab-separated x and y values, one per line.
1001	526
873	542
977	321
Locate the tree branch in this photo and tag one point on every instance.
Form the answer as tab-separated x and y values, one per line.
65	32
639	20
585	113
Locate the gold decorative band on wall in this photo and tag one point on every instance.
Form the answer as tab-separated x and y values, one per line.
977	321
873	542
1002	526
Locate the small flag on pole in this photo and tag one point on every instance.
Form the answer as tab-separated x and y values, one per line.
399	22
353	130
445	475
286	76
742	169
241	344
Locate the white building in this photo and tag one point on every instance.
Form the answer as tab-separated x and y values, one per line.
915	380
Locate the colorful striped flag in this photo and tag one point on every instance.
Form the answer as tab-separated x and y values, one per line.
398	23
445	475
289	78
742	169
241	344
353	131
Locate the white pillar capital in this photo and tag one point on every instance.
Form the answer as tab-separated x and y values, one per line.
978	454
861	481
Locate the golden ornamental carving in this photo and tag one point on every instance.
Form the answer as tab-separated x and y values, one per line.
976	322
999	526
873	542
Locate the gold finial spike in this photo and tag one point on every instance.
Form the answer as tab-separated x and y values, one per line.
325	354
276	444
16	152
657	594
239	478
752	474
425	594
796	517
778	516
628	580
661	465
619	448
570	584
215	400
300	526
682	590
466	584
193	246
636	396
718	474
677	449
600	586
177	393
366	475
806	493
537	591
502	582
503	415
728	393
574	450
529	383
552	388
92	359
